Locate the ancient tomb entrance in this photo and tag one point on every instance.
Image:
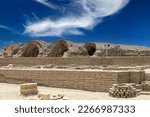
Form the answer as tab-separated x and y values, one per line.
59	49
31	50
91	48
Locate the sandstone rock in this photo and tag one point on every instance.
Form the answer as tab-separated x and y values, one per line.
29	89
65	98
2	78
66	48
63	48
11	50
57	97
59	48
146	85
91	48
35	49
44	96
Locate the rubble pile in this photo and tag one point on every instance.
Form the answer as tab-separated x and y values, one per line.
28	89
123	90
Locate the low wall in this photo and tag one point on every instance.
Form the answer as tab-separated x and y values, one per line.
132	61
132	76
82	80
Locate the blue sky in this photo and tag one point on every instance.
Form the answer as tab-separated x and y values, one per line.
113	21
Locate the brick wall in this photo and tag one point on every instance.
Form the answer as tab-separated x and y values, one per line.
132	61
123	77
83	80
133	76
136	76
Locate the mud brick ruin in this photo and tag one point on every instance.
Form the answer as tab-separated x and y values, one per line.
64	64
63	48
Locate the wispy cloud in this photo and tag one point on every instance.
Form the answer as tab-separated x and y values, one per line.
9	29
47	3
5	27
85	14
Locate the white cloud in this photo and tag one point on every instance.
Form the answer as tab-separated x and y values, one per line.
9	29
5	27
47	3
85	15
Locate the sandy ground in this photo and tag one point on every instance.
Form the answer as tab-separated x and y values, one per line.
12	92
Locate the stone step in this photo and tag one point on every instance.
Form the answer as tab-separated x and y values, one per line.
145	93
146	85
147	79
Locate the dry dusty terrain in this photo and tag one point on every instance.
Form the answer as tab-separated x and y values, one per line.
12	92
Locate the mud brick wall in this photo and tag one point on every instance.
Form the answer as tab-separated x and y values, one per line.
123	77
133	76
147	76
2	77
83	80
136	76
30	61
132	61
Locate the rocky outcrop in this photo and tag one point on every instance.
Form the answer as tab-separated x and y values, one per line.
91	48
31	49
11	50
64	48
59	48
35	49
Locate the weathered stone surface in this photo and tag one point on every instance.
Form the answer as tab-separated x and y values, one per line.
35	49
44	96
94	80
2	78
67	49
28	89
146	85
64	48
11	50
91	48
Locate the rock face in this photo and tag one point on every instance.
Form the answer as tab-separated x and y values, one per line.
67	49
59	48
31	50
11	50
35	49
91	48
63	48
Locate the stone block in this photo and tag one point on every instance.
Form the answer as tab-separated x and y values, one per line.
146	85
28	89
44	96
136	76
